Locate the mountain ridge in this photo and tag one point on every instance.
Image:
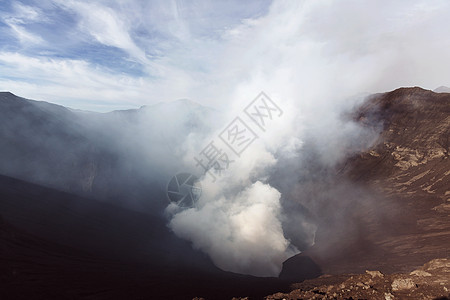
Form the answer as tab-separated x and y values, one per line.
406	174
393	215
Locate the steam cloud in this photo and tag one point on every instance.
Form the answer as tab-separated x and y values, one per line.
311	58
242	221
241	233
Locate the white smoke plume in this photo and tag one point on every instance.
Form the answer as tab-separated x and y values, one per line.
238	219
313	75
310	57
241	233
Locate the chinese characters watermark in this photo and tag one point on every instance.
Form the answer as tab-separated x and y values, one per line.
184	189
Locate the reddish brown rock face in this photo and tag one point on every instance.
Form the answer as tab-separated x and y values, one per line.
402	219
430	281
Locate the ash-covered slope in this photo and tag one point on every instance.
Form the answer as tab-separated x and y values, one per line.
45	143
410	166
413	149
54	245
399	216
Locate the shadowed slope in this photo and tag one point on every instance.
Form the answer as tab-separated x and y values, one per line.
54	245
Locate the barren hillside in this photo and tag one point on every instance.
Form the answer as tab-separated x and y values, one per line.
406	223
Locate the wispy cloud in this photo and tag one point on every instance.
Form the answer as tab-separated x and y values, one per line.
162	50
21	16
137	52
106	26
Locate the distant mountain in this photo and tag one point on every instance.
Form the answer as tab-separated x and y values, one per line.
47	144
442	89
115	156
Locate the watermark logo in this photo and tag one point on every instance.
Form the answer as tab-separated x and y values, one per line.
262	110
238	136
213	160
184	189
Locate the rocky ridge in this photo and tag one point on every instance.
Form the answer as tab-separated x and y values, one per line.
431	281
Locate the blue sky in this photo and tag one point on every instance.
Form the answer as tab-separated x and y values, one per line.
104	55
110	42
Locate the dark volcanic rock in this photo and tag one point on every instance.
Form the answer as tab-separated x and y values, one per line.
54	245
299	268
